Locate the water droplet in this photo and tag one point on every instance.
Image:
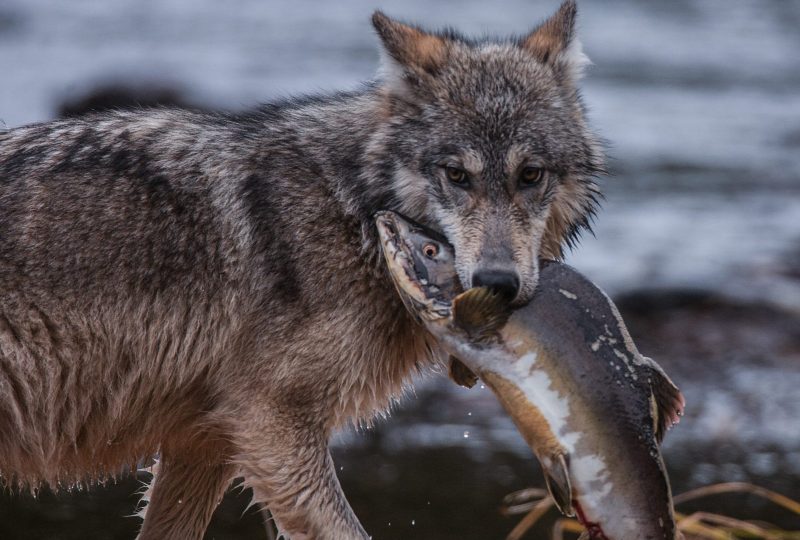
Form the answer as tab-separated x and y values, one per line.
180	501
469	414
483	386
413	522
466	434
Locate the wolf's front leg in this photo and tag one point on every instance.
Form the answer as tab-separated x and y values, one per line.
182	496
291	472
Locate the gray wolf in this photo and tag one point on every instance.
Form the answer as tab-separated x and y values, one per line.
565	368
208	286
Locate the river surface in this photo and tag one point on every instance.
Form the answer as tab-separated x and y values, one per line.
699	236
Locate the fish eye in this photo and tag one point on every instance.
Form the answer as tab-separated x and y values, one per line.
430	250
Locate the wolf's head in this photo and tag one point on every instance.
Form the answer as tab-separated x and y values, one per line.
486	141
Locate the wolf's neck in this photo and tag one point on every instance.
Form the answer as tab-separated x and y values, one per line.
361	149
373	344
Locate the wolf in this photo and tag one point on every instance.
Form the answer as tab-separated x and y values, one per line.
208	287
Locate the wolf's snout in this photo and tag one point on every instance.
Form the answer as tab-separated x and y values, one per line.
500	281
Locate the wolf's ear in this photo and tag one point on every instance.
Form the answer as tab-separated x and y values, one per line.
553	42
409	49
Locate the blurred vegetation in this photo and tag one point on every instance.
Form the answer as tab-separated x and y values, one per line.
535	503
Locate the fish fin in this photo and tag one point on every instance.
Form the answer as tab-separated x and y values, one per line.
461	374
556	476
480	312
668	399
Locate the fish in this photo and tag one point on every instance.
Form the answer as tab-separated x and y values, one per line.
564	367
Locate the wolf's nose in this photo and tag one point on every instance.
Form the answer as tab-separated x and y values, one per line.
501	282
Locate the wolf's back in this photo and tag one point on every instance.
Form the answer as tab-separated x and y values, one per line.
127	200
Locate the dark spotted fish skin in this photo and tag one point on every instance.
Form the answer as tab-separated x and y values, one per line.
583	344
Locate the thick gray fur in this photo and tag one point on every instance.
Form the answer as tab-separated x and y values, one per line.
208	286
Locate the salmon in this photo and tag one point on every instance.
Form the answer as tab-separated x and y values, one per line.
564	367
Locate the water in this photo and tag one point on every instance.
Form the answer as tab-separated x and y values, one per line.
700	105
699	101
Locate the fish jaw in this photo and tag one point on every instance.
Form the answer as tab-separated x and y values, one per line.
395	252
420	298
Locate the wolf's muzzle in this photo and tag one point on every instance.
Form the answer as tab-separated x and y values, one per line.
500	281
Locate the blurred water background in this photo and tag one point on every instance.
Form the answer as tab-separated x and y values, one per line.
698	239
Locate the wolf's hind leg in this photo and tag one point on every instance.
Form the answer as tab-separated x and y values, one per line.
182	497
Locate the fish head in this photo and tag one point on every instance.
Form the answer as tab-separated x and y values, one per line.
421	263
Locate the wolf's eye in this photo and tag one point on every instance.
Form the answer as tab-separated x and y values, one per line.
530	176
456	176
430	250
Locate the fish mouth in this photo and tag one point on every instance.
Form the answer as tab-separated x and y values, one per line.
396	232
392	230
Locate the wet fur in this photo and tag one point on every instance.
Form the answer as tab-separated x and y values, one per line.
208	286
